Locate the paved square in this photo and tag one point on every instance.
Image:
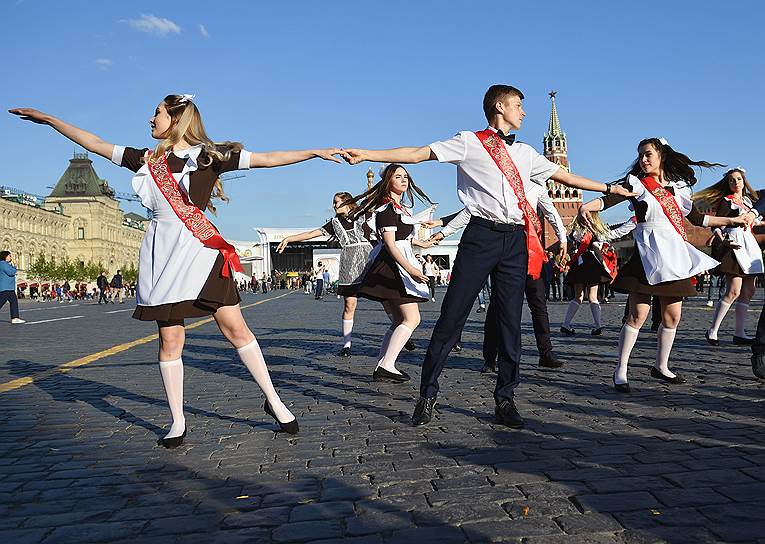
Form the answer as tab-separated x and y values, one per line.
80	463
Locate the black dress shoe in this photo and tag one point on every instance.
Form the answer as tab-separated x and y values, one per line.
655	373
291	427
410	346
550	362
345	352
621	387
758	366
507	414
742	341
171	443
567	331
456	348
489	369
382	375
597	332
712	341
423	411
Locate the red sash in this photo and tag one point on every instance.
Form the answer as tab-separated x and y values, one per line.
610	261
667	203
740	205
191	216
495	146
583	245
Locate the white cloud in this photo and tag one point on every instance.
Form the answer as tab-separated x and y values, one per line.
203	31
151	24
104	63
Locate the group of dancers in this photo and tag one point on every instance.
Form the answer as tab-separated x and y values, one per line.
188	270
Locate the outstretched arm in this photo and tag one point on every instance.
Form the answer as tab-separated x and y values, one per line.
402	155
271	159
572	180
83	138
307	235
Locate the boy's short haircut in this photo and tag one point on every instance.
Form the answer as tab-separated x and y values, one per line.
497	93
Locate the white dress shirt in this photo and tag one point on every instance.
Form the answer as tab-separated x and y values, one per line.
481	186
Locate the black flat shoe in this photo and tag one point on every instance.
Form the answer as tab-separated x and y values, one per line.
621	387
345	352
382	375
567	331
291	427
489	369
597	332
423	411
741	341
173	442
655	373
410	346
712	341
507	415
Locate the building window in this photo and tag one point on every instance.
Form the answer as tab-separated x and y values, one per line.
80	233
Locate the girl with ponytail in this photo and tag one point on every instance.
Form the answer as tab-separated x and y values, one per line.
186	268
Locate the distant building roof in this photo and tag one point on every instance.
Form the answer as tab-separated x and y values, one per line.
135	217
80	179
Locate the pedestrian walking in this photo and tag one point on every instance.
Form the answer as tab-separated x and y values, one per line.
8	286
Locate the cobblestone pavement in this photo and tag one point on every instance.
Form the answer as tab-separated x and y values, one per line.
79	461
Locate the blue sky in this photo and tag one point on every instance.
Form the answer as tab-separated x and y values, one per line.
291	75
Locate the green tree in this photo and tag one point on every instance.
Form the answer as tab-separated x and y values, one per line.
129	273
40	268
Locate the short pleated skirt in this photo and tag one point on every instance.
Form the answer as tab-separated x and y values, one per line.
216	292
383	281
632	279
590	272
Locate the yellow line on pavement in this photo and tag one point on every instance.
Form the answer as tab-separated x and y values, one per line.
82	361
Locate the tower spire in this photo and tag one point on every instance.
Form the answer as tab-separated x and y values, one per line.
553	129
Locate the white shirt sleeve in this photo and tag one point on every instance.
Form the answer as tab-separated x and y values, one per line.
551	214
459	222
541	168
453	150
623	230
117	153
244	159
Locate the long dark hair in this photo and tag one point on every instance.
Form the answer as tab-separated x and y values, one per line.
379	194
715	193
4	254
675	165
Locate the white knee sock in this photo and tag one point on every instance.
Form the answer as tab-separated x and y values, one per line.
384	344
595	309
720	310
573	306
172	379
253	359
741	310
627	338
347	329
665	339
395	344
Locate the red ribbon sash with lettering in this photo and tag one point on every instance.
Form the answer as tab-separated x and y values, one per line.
583	245
192	217
667	203
610	261
495	146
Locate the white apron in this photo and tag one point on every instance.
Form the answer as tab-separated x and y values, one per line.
173	264
749	255
663	252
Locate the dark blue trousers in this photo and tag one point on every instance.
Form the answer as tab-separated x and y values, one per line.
10	296
758	348
482	252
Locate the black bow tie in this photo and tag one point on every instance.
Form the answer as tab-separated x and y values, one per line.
510	138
